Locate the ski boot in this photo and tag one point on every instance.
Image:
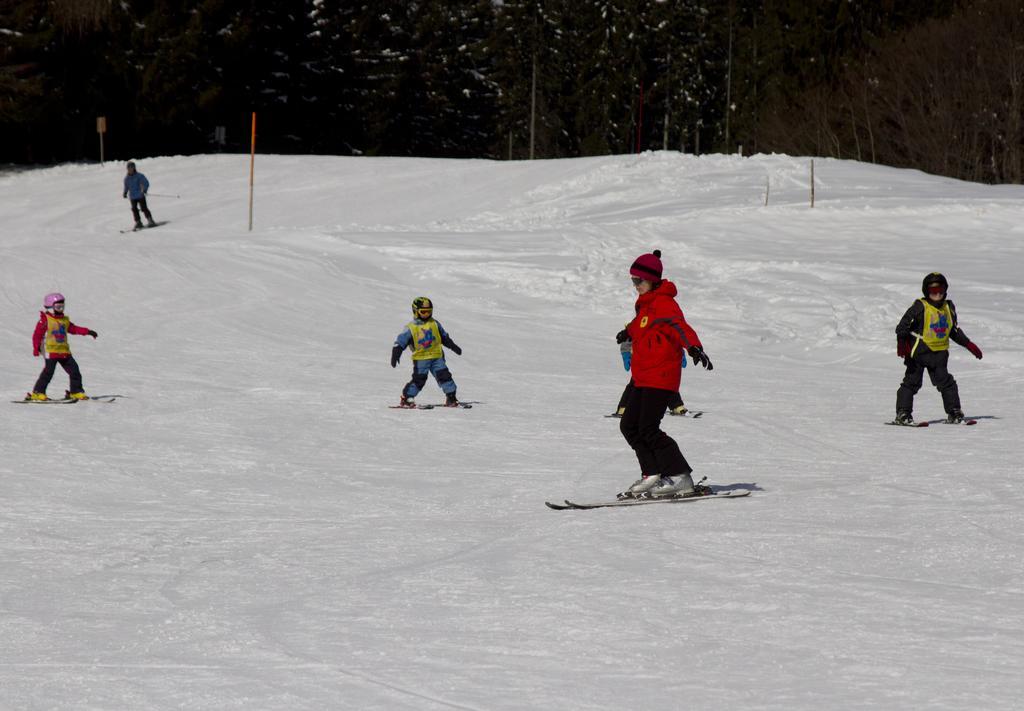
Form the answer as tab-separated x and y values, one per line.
406	402
678	411
450	400
903	418
75	396
39	397
639	488
150	223
680	485
956	417
138	226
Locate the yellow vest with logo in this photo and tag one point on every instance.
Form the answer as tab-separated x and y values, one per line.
937	325
426	340
57	334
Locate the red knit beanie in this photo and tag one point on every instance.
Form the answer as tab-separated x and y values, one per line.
647	266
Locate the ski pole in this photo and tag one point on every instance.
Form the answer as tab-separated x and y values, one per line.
162	195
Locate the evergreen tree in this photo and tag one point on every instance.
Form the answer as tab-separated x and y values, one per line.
229	59
54	77
610	60
534	72
686	98
339	97
451	68
550	78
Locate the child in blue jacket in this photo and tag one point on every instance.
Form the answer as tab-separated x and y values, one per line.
424	337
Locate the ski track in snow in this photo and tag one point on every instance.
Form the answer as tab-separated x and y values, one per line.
252	527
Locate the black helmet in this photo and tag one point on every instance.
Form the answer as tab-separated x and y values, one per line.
131	165
422	308
934	278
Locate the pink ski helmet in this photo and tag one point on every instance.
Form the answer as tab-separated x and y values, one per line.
50	299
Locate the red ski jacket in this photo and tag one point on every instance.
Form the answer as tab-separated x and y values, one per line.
660	334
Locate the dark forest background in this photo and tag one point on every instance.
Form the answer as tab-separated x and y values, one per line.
930	84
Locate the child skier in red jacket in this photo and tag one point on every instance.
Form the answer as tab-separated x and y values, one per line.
51	333
660	334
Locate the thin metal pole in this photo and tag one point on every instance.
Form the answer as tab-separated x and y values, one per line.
728	85
533	105
640	118
252	167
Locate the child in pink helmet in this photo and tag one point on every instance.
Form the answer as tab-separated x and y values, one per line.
51	335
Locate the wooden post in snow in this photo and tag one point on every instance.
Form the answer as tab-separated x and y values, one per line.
101	128
812	182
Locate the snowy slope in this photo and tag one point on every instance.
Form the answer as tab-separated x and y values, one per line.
252	528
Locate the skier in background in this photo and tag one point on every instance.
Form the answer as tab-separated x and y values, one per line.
660	334
424	337
135	187
51	334
922	341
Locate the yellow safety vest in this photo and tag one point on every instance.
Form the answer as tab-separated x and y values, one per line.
937	325
57	334
426	340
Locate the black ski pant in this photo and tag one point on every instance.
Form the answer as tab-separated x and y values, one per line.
935	363
657	453
70	367
140	204
676	401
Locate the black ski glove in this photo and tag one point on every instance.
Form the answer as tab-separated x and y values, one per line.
699	356
447	342
93	334
396	355
622	336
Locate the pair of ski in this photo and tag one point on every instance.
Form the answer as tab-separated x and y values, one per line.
463	405
925	423
144	227
686	413
734	494
68	400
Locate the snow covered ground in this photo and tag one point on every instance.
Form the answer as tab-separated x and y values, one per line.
253	528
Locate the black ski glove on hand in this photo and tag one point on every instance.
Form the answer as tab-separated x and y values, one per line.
396	354
93	334
699	356
448	343
622	336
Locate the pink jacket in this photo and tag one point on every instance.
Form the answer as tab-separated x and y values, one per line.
40	333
